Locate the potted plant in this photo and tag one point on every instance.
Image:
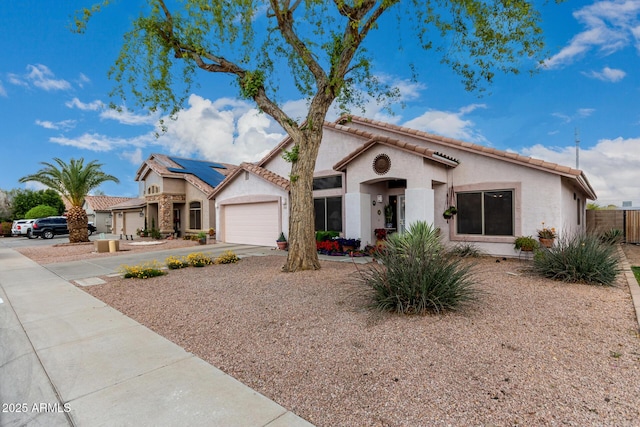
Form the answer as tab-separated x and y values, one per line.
349	245
546	236
202	238
450	212
212	232
388	215
525	243
282	241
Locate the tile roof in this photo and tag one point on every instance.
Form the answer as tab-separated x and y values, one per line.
392	142
201	174
569	172
254	169
104	203
130	204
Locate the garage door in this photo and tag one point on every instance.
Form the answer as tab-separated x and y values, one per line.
252	223
132	222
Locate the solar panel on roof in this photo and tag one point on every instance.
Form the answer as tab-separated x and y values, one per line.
201	169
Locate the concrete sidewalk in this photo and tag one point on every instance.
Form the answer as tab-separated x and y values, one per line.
67	359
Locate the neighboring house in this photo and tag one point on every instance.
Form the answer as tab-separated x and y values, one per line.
364	165
98	210
176	194
128	217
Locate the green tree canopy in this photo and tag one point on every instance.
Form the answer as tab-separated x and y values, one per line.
24	200
318	47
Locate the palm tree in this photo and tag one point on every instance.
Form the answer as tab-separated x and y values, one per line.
73	181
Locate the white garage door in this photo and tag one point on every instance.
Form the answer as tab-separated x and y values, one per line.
252	223
132	222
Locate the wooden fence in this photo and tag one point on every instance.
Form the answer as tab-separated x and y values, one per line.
599	221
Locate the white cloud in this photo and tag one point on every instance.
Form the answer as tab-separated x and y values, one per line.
449	123
127	117
133	157
82	80
42	77
607	75
226	130
611	166
97	142
64	125
91	106
579	114
609	26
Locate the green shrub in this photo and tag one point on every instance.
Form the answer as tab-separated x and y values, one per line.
5	229
326	235
41	211
579	259
198	259
174	263
418	275
142	271
465	250
227	257
612	237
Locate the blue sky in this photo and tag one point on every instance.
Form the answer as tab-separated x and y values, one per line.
54	92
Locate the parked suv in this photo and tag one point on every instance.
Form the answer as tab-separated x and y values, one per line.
21	227
49	227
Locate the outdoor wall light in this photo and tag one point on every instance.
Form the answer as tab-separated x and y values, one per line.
141	214
379	198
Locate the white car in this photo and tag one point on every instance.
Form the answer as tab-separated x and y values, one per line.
21	227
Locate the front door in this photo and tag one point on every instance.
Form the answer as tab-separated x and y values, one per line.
400	214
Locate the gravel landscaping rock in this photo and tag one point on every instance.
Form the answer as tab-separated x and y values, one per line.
530	352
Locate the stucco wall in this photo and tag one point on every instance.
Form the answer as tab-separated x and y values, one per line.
335	146
192	194
247	188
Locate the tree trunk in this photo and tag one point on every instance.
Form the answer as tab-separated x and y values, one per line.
303	254
77	224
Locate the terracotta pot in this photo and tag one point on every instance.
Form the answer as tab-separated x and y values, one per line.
547	243
282	245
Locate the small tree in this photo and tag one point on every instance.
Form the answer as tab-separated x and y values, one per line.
322	46
73	180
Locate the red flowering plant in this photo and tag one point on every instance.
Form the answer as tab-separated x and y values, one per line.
380	233
328	246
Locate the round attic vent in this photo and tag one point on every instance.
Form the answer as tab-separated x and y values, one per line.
381	164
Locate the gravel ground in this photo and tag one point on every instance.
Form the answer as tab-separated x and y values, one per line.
63	252
530	352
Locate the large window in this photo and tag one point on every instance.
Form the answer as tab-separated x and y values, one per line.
195	216
488	213
328	212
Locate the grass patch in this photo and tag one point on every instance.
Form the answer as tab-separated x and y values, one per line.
636	273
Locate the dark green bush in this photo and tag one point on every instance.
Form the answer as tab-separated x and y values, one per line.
5	229
579	259
418	275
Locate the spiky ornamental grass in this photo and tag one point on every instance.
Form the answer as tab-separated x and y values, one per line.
579	259
417	275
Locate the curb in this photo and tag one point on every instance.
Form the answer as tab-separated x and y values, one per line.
634	286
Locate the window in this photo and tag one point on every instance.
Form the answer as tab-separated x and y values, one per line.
488	213
328	212
327	182
195	216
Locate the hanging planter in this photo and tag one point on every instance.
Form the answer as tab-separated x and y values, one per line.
450	212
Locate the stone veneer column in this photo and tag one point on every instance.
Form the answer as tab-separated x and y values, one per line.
165	214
